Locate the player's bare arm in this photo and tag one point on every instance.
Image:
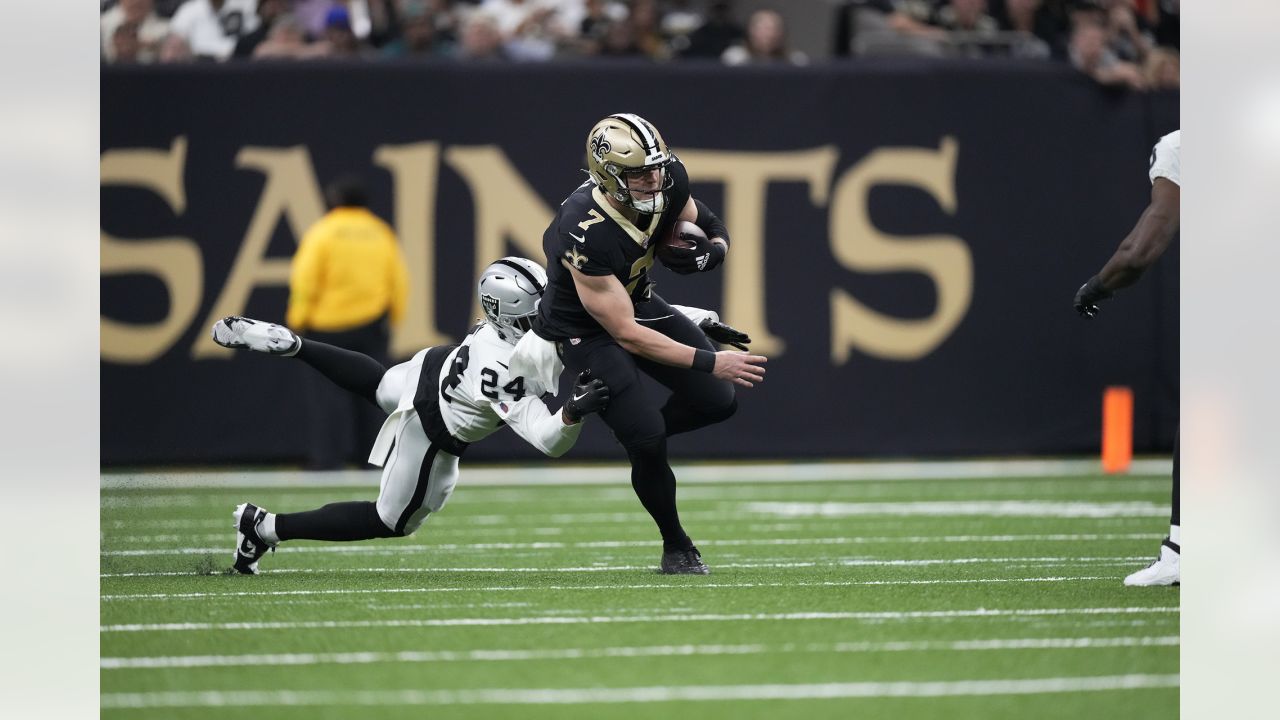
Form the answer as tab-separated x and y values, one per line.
1148	240
607	301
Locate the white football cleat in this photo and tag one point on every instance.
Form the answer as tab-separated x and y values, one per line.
250	547
1164	571
237	332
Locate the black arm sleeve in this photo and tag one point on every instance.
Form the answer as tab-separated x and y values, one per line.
710	224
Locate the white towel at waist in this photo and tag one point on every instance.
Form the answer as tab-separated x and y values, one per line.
537	361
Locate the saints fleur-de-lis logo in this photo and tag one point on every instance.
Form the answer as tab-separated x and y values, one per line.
600	147
578	259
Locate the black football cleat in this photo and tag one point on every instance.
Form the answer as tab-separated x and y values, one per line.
683	562
250	547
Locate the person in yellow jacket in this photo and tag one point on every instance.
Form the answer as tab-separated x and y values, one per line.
348	283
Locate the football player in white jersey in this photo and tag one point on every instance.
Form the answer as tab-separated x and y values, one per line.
438	402
1143	245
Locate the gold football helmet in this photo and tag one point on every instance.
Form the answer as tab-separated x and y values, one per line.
624	145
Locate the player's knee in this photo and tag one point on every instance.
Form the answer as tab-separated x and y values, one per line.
723	411
647	449
392	386
409	528
379	527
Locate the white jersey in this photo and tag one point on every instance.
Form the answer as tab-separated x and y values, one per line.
1166	158
477	396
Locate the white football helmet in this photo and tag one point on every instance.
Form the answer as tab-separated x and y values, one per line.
510	291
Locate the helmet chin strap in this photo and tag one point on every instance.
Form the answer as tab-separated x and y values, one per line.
655	204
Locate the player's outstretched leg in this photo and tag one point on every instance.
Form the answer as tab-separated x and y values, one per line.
258	531
244	333
348	369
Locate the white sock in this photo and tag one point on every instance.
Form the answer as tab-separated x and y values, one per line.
267	529
1175	535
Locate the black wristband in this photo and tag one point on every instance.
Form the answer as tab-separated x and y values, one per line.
710	224
703	360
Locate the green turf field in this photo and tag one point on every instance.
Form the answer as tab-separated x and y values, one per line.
956	598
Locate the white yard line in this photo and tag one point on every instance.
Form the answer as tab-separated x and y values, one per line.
601	619
574	696
839	562
967	508
544	588
414	656
614	473
409	546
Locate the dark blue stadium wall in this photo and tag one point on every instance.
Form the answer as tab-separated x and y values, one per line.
907	239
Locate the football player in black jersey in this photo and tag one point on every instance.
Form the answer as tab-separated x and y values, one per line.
601	311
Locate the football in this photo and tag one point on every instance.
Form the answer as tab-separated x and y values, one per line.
684	234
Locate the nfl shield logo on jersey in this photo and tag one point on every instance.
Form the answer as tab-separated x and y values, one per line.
490	305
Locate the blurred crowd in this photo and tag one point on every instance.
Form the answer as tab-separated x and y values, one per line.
1131	43
1128	43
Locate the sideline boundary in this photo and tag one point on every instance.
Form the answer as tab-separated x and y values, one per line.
619	474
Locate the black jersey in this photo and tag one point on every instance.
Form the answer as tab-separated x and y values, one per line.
589	233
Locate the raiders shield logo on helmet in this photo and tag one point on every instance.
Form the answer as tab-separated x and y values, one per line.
491	306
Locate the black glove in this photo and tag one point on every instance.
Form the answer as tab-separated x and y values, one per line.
724	334
1087	297
589	395
704	256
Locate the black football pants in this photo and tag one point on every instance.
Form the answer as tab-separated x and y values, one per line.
639	420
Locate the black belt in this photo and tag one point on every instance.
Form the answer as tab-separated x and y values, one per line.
427	402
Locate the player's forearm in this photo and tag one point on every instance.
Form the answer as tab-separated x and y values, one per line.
653	345
711	224
545	430
556	437
1139	251
609	304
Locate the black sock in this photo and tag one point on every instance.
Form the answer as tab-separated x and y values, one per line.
655	485
679	416
340	522
1174	515
349	370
